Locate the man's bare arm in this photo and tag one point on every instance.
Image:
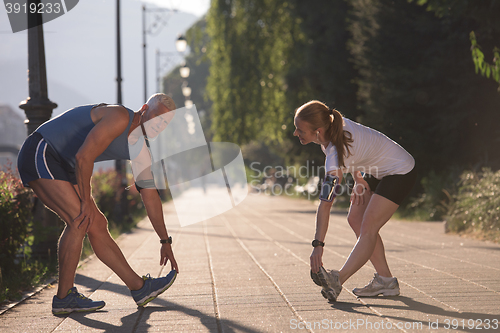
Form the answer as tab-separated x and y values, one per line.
113	122
154	208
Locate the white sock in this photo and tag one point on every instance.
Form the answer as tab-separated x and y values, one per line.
385	279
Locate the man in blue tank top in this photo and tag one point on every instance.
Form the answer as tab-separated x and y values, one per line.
57	161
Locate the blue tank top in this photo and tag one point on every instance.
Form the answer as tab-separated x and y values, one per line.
67	132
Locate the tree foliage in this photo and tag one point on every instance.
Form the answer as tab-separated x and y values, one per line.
417	84
476	206
402	67
267	58
199	65
15	220
251	45
485	14
481	65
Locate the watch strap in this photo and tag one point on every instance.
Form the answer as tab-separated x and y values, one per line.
316	243
165	241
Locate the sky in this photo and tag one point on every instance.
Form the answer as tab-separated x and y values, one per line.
196	7
80	51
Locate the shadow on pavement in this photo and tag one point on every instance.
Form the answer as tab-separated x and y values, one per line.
207	321
94	284
127	322
140	317
351	307
137	321
452	319
493	248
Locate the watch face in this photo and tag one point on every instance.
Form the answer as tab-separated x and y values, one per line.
316	243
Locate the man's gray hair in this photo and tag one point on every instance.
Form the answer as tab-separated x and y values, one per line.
166	100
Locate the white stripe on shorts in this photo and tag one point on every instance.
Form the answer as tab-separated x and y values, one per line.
44	159
36	160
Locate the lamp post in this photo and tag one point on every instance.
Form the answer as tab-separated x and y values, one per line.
37	106
159	21
38	109
121	205
118	56
181	45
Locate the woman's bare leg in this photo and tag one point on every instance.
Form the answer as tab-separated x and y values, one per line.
355	219
378	211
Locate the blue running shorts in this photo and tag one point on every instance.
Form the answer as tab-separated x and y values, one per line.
37	159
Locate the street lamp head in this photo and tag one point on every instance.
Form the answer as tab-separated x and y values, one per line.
181	44
184	71
186	91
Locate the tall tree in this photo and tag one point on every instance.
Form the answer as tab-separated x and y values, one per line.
250	45
269	57
485	14
417	84
199	64
320	68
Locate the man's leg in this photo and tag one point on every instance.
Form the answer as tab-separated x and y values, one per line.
378	212
62	197
355	218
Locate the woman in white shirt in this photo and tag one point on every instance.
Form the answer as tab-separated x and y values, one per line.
384	174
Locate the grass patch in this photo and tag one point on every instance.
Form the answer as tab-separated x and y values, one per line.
29	275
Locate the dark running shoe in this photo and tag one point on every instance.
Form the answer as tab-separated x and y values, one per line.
74	302
153	287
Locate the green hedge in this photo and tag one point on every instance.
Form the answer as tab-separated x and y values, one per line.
19	270
476	206
433	201
17	273
107	191
15	220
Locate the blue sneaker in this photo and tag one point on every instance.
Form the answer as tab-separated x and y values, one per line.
152	288
74	302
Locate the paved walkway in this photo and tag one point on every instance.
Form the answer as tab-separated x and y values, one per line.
247	271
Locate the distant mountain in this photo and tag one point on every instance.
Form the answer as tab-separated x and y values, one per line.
80	49
12	135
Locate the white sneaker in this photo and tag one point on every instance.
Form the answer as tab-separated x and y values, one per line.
379	285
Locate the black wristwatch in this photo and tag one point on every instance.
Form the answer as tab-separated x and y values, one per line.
316	243
165	241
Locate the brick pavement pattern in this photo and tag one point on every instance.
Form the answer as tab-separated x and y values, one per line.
248	271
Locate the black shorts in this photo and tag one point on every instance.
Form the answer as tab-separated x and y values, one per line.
393	187
37	159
